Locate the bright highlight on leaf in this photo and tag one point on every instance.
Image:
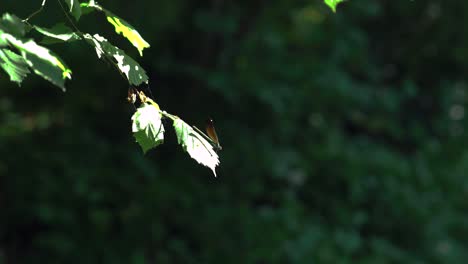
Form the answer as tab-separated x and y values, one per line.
196	145
121	26
333	3
40	59
147	127
135	74
14	65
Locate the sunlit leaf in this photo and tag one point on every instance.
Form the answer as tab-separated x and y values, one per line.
14	65
58	33
74	8
121	27
13	25
147	127
135	74
41	60
333	3
3	41
196	145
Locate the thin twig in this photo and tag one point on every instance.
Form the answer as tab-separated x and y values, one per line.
106	56
35	12
69	18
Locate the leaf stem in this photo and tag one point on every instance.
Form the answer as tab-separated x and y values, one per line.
35	12
145	99
69	19
105	56
166	114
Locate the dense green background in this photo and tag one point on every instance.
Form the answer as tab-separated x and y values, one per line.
344	138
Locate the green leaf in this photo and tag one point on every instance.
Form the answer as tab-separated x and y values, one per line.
135	74
3	42
196	145
121	27
75	8
147	127
59	33
14	65
41	60
13	25
333	3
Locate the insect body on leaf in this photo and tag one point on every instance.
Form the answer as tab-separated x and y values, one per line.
210	135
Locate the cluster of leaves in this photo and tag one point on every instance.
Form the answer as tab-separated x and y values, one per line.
346	136
20	54
149	131
49	66
31	55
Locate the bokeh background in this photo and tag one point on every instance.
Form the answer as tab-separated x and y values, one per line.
343	138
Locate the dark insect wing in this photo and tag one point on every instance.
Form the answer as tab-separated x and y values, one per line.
211	136
211	132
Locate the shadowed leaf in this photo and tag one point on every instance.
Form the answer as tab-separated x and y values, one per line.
74	8
58	33
13	25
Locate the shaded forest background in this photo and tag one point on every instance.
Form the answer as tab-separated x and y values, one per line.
343	138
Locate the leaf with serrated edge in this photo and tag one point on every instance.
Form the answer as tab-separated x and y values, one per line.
194	143
121	26
14	65
135	74
41	60
147	127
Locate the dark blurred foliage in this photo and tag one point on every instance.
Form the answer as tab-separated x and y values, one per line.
343	138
